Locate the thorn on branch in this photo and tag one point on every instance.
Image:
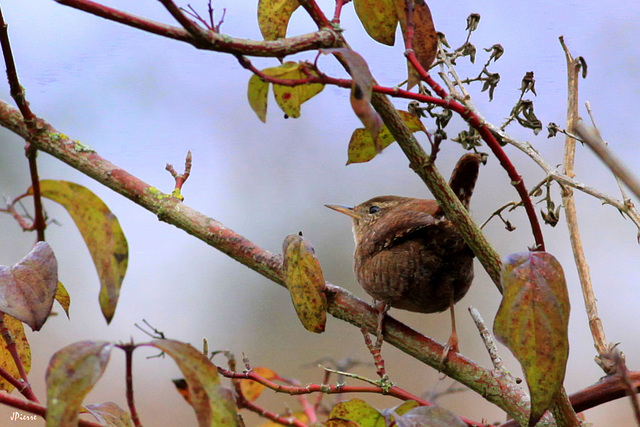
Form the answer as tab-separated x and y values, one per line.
180	178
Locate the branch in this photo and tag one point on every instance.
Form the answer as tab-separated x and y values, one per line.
595	324
341	304
209	40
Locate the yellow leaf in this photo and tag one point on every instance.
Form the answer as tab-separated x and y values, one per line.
101	232
290	98
378	18
305	281
251	390
63	298
273	17
362	148
16	329
356	411
257	94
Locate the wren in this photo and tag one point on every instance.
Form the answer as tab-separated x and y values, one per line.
408	255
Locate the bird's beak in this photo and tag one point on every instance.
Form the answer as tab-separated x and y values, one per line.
343	209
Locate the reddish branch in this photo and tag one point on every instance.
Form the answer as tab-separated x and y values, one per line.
393	391
128	351
209	40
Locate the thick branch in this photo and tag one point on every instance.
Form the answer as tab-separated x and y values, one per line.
209	40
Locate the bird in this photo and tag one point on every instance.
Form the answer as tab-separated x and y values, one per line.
408	255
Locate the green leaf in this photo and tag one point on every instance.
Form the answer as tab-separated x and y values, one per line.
533	322
28	289
425	38
273	17
356	411
101	232
378	18
212	403
16	329
305	281
362	148
71	374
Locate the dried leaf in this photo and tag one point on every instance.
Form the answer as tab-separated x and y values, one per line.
273	17
71	374
16	329
101	232
110	414
361	90
305	281
533	322
355	412
362	148
212	403
378	18
425	38
28	289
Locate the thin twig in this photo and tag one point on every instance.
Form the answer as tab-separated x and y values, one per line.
17	92
595	142
487	338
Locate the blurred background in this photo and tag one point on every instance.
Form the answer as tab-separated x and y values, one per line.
142	101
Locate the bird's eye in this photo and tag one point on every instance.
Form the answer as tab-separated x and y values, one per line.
374	209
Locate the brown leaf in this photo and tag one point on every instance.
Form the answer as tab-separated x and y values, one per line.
305	281
378	18
110	414
212	403
361	146
71	374
28	288
273	17
361	89
533	322
16	329
101	232
425	38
